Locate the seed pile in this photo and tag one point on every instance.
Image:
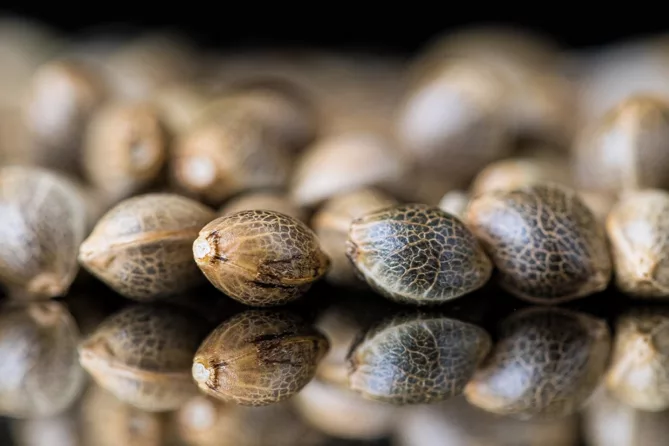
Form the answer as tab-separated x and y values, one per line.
302	249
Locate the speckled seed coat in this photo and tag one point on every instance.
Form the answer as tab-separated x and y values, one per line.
260	258
417	254
639	370
546	244
258	358
142	247
638	229
143	355
417	359
546	364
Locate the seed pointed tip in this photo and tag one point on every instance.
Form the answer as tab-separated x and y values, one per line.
201	248
200	372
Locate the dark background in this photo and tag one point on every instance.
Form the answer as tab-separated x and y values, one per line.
403	28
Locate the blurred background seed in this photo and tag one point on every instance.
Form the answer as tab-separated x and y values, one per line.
40	375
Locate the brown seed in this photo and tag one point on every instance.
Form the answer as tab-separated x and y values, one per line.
345	162
281	106
417	254
331	224
626	149
452	121
229	152
546	244
142	247
258	358
545	365
204	421
125	149
44	220
416	359
639	370
108	421
264	200
39	372
63	94
260	258
143	354
342	413
638	229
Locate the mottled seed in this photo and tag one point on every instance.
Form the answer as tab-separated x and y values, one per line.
417	254
143	355
258	358
546	364
142	247
260	258
417	359
547	245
